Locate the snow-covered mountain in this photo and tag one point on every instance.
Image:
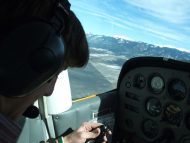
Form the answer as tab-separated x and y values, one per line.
129	49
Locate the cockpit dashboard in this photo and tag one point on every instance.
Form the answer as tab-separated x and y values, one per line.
154	101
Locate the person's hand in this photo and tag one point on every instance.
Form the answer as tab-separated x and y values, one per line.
85	131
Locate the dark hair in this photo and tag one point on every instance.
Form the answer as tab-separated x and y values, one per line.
76	46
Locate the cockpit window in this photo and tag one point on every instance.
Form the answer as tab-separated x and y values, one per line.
121	29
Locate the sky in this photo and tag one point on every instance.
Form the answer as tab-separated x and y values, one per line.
158	22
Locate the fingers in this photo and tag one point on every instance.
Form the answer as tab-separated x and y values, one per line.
109	132
91	135
172	109
92	125
90	130
87	126
96	132
105	139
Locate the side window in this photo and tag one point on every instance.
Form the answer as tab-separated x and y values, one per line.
123	29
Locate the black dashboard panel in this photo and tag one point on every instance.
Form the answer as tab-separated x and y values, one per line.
154	101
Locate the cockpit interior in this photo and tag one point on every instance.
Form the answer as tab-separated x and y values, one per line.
149	105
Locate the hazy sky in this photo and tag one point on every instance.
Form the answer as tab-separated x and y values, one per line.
160	22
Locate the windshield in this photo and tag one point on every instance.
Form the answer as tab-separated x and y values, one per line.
121	29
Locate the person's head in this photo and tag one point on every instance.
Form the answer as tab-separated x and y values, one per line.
76	48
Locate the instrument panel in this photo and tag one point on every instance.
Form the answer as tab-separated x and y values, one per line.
154	105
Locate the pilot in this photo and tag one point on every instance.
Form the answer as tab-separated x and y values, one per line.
25	74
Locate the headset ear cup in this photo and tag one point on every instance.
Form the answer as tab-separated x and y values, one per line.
43	60
37	54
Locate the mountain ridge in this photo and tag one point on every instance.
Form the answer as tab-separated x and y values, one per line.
129	49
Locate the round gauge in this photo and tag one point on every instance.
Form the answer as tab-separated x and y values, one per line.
177	89
157	84
150	128
153	107
139	81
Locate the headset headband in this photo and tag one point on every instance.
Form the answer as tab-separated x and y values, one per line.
62	9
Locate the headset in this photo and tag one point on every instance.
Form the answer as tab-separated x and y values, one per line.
32	53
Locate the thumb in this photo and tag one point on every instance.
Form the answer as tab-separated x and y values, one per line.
91	135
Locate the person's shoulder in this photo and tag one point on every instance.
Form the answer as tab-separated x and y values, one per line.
9	130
